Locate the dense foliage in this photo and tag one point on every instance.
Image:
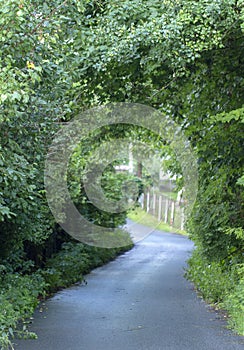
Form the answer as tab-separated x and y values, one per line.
20	293
58	58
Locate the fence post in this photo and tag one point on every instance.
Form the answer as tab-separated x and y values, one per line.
159	208
148	201
141	200
154	203
172	213
166	210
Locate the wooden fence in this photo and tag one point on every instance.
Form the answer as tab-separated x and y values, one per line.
167	210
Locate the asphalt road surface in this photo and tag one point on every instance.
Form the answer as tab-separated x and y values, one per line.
140	301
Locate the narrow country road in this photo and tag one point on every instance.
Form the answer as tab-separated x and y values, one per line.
140	301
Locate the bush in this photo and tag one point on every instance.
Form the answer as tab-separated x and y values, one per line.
220	283
234	304
66	267
18	300
20	294
73	261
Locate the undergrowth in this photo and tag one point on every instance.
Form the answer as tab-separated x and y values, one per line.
21	293
221	284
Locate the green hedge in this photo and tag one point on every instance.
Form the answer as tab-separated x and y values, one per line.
220	284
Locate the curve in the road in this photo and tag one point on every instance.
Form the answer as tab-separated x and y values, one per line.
140	301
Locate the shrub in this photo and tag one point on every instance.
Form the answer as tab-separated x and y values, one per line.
221	283
18	299
73	261
234	304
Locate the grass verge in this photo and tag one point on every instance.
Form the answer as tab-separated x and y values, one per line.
221	285
140	216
